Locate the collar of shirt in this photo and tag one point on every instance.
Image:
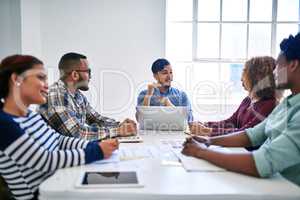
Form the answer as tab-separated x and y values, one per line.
158	93
77	95
77	98
61	84
293	99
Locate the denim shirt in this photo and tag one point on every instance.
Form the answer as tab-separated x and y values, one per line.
177	98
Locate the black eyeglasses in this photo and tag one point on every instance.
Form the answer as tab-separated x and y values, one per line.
84	70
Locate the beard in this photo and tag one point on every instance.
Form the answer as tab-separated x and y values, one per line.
282	86
281	79
166	86
82	84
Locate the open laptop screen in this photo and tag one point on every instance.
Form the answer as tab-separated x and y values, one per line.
162	118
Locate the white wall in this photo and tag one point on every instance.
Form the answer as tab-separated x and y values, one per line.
120	37
30	27
10	27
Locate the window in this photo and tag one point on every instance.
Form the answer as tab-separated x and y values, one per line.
207	42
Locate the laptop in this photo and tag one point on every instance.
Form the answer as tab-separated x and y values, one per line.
164	118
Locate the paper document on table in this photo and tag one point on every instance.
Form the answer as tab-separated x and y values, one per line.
141	152
114	158
191	164
173	143
131	153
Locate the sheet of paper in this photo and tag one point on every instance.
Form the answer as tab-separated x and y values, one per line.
173	143
191	164
132	153
114	158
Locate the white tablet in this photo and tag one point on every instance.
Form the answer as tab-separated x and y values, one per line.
108	179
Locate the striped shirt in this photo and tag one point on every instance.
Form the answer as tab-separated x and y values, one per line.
31	151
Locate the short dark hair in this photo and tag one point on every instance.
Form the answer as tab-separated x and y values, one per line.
159	65
68	62
290	47
14	64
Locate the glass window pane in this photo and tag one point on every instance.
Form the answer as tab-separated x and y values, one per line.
259	40
209	10
233	90
208	40
182	73
234	10
179	41
260	10
206	72
206	79
178	10
288	10
233	43
283	31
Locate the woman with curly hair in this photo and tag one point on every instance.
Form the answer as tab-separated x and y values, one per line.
258	80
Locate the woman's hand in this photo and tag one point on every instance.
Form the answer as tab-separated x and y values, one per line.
197	128
108	146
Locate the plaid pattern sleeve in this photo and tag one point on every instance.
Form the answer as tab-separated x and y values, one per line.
67	114
93	117
66	123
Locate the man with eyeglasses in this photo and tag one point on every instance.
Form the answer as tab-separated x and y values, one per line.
67	109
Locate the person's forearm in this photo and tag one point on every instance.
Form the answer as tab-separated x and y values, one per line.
166	102
147	99
237	162
238	139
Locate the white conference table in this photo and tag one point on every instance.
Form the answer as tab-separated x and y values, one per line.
164	178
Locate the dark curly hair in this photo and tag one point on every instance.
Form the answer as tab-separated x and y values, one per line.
258	73
14	64
290	47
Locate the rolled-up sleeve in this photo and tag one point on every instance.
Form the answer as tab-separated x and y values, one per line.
257	134
281	153
140	99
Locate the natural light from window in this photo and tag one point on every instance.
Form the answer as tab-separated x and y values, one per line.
208	41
